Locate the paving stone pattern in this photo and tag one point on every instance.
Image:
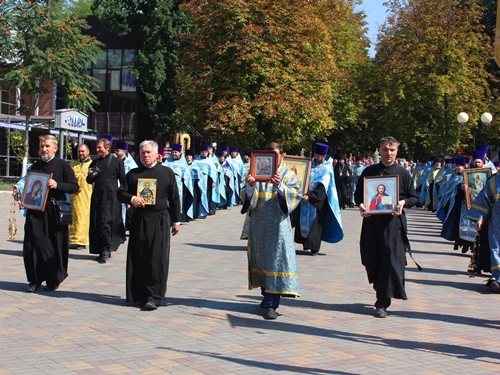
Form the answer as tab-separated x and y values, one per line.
210	323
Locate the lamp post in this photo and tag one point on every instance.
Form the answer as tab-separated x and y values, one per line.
486	119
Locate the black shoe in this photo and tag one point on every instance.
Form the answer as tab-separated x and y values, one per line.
381	312
32	288
314	253
150	305
495	286
51	288
103	259
271	313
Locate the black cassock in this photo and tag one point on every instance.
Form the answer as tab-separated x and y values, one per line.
148	253
106	232
318	199
45	248
384	237
342	175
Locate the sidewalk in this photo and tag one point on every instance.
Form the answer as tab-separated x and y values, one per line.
210	322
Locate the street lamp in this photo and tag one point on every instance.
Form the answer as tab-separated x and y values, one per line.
463	118
486	119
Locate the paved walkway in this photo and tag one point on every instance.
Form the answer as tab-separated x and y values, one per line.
211	324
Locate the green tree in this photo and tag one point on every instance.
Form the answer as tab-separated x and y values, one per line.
79	8
260	70
156	23
39	44
431	56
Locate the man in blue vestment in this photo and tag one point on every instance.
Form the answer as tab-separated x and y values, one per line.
230	178
357	169
216	186
439	181
272	263
199	177
319	213
452	210
486	207
184	181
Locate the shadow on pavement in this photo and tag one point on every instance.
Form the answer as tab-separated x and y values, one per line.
437	271
262	365
17	253
457	351
61	293
453	284
217	247
363	309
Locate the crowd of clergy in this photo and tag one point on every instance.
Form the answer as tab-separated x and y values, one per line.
462	192
153	194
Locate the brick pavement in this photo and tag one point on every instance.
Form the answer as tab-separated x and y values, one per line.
211	324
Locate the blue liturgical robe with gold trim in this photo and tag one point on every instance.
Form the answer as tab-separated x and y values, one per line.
272	262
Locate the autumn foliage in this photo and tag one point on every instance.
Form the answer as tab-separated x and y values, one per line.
265	70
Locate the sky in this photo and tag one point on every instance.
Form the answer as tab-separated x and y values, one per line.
375	16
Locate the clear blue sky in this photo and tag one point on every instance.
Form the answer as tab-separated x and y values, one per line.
375	16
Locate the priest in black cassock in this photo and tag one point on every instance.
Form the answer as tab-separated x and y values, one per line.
343	182
106	231
148	253
318	216
384	239
46	244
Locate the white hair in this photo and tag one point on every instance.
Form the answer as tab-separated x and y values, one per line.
149	142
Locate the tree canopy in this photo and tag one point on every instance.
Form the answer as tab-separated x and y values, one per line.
40	43
431	60
262	70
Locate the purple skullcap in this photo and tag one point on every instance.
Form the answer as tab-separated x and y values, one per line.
233	149
204	148
177	147
448	160
220	153
121	145
224	148
478	154
108	137
483	148
161	151
460	161
359	158
321	149
423	160
189	152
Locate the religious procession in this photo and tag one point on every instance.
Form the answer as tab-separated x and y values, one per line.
286	200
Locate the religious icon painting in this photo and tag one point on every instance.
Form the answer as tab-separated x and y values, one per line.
301	166
35	190
263	164
146	189
475	179
381	195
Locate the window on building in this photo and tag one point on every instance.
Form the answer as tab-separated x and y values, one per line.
112	70
7	101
